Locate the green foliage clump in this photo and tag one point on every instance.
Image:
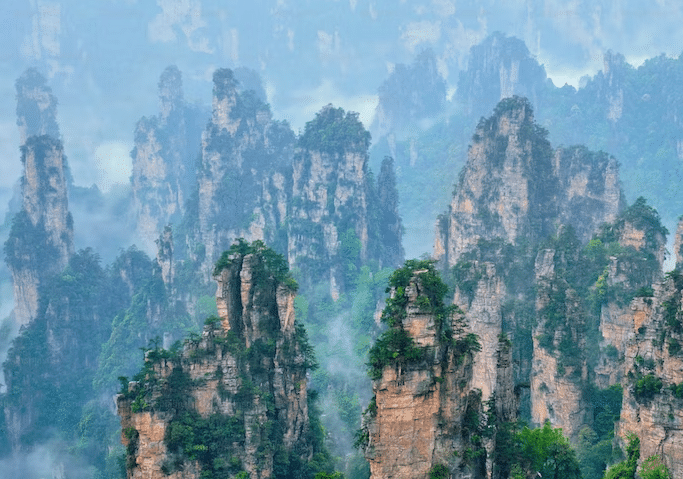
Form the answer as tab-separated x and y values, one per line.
545	452
432	292
213	441
395	346
335	131
270	263
627	468
439	471
654	468
646	387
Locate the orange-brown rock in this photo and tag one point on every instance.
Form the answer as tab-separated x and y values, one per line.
416	420
248	367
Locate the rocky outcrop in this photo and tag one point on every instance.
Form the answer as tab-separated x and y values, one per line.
36	107
329	227
499	67
653	389
424	407
390	225
559	370
234	398
164	156
514	186
678	244
40	242
243	176
411	93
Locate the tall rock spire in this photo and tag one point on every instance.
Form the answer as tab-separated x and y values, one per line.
40	242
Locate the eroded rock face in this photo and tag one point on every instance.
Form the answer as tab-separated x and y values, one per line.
247	369
244	173
514	187
653	360
164	158
417	416
41	239
330	198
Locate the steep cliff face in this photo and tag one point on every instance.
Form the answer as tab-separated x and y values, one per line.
41	238
678	244
653	389
164	158
40	242
540	246
513	186
424	406
559	370
243	175
630	273
36	107
498	68
390	224
411	93
233	399
329	225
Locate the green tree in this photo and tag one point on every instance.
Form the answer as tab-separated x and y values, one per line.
627	468
546	451
654	468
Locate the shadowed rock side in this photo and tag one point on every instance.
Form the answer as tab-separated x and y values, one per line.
233	399
498	68
164	158
417	420
243	173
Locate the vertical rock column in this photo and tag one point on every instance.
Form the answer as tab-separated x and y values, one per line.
40	242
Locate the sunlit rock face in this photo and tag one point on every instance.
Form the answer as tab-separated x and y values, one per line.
243	175
247	371
653	382
418	414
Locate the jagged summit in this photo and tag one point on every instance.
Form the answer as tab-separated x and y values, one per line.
233	400
499	67
515	186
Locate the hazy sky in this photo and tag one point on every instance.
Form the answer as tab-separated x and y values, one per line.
103	58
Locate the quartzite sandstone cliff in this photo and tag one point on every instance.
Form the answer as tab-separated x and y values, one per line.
243	379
